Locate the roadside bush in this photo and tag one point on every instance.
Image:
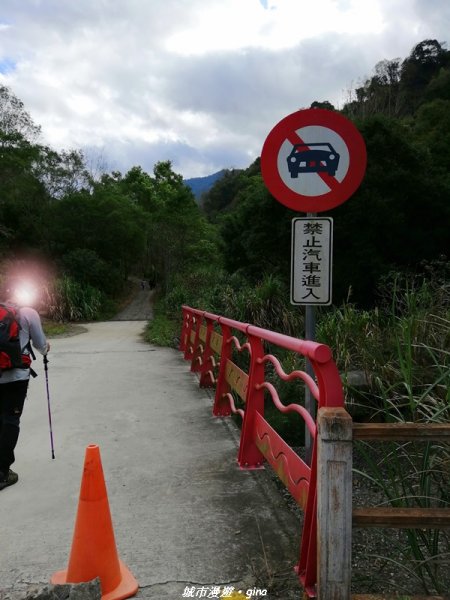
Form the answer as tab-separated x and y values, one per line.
265	304
161	330
86	267
355	337
70	301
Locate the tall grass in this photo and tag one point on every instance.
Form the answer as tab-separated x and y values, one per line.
415	387
68	300
264	304
404	350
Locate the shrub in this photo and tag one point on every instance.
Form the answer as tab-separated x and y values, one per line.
86	267
70	301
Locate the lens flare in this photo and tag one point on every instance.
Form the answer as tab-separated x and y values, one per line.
25	295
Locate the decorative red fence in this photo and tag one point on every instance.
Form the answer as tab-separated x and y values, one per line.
209	343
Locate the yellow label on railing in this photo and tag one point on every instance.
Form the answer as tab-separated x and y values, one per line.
238	380
216	342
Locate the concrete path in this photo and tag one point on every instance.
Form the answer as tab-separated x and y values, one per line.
183	513
141	307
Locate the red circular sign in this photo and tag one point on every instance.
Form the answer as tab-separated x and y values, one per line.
313	160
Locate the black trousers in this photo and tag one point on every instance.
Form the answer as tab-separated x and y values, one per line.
12	398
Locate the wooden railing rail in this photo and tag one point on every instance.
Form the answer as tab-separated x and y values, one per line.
400	517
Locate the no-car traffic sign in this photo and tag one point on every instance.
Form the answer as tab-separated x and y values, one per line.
313	160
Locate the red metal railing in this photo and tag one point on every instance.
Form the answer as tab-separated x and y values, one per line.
209	342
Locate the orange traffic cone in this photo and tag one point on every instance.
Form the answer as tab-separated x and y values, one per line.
94	552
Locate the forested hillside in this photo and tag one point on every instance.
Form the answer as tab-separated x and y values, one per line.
83	236
91	232
398	219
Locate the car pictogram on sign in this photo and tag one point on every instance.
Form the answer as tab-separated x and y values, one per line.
312	158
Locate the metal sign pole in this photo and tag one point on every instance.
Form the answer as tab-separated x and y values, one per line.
310	334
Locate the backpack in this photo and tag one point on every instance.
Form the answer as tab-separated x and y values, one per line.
11	353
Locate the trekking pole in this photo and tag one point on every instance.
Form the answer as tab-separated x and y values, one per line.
48	404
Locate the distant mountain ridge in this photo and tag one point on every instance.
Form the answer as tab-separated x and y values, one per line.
200	185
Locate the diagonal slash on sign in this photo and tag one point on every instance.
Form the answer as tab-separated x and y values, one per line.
330	180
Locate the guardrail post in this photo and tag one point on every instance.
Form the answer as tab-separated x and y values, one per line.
184	328
221	407
191	344
334	503
188	349
207	356
250	457
197	348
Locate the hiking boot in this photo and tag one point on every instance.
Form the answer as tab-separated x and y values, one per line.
11	479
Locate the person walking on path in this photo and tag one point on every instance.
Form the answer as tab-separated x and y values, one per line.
14	381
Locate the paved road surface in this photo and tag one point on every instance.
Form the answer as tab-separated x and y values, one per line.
183	513
140	308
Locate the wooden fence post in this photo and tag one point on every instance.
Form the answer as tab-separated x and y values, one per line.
334	504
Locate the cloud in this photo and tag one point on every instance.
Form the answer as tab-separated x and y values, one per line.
198	83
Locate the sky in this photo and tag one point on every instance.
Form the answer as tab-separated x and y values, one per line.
198	82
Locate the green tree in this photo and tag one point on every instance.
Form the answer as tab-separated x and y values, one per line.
23	197
142	189
256	232
62	172
103	222
14	119
379	94
87	268
179	235
432	129
422	65
32	176
397	218
324	104
439	86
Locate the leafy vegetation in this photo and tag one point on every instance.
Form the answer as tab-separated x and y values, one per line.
99	230
92	233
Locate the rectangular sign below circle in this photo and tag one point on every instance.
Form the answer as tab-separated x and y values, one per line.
311	263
